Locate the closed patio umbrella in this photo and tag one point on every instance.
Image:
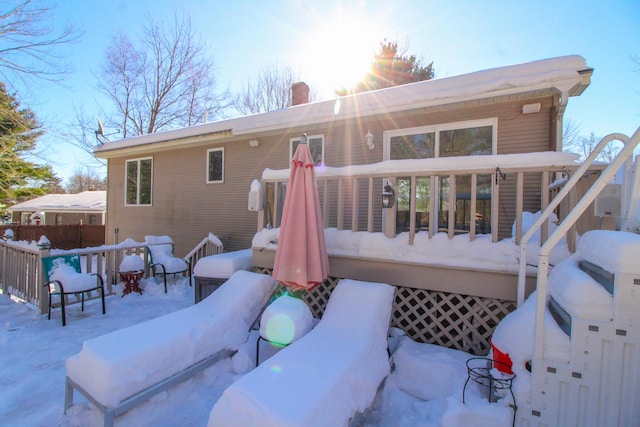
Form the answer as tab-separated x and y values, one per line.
301	256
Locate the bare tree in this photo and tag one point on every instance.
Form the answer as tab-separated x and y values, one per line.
85	180
29	45
269	90
163	81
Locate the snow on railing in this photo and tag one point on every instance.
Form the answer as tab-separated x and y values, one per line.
457	195
22	274
210	245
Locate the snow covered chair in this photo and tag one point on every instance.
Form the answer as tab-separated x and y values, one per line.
65	277
163	261
122	369
327	377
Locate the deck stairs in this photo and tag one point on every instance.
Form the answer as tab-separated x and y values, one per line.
599	382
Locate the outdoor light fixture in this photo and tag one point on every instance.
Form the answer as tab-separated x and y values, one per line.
531	108
388	196
368	139
303	138
254	143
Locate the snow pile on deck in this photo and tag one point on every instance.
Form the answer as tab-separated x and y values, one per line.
117	365
132	263
437	375
614	251
460	251
515	335
223	265
161	248
326	376
578	293
71	280
285	320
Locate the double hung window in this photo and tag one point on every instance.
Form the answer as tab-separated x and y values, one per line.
139	179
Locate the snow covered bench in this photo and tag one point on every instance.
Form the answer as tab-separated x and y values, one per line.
212	271
326	377
124	368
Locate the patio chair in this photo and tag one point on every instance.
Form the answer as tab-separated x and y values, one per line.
125	368
329	377
163	261
64	277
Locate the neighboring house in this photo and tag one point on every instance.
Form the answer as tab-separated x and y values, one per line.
88	207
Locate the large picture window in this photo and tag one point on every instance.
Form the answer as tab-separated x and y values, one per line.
471	138
316	146
215	165
139	178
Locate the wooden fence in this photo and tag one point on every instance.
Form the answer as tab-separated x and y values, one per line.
61	236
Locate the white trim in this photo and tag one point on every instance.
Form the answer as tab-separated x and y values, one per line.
436	129
218	181
138	160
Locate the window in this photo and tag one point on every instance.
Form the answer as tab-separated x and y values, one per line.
316	146
215	165
58	218
138	182
93	219
472	138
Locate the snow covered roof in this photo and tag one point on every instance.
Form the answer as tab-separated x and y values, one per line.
568	75
95	201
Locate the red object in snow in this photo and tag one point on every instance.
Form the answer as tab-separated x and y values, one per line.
505	361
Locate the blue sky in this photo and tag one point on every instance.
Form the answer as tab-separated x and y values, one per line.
458	36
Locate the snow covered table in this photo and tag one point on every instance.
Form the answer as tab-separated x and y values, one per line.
212	271
326	377
124	368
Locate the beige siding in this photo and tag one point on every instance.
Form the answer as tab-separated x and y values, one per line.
187	209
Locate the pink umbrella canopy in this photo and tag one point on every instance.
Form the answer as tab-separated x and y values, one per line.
301	257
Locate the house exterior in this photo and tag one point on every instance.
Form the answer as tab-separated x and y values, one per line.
465	155
192	181
87	207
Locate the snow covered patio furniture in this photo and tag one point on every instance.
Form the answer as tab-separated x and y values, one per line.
163	261
212	271
326	377
122	369
64	277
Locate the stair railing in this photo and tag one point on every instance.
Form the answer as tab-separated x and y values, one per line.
543	258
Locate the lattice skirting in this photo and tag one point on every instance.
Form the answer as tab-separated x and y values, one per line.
450	320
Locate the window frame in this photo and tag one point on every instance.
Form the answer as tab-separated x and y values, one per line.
309	138
126	182
217	181
436	129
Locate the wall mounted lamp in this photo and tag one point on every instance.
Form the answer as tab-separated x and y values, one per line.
254	143
368	139
388	196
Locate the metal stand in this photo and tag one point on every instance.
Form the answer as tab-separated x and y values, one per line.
479	370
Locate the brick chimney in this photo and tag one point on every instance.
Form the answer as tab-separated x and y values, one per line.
299	93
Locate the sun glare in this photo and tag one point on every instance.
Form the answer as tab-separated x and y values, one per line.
338	55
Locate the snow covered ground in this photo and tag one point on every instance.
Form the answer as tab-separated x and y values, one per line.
425	387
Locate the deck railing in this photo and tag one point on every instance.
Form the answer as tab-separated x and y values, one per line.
210	245
22	275
454	198
21	272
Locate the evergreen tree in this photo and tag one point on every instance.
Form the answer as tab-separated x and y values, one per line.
20	179
391	67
